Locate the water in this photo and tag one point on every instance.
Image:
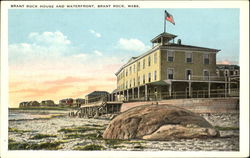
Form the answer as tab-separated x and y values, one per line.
20	115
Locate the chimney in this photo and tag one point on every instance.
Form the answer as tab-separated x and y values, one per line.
179	42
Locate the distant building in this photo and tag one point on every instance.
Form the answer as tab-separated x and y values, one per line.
66	102
223	70
23	104
47	103
33	104
95	96
231	73
79	102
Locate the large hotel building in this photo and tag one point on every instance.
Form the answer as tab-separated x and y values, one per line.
171	70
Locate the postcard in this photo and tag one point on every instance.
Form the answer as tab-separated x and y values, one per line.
124	79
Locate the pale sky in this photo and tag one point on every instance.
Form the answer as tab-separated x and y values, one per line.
56	54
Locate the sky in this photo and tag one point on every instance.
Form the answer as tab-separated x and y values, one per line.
56	54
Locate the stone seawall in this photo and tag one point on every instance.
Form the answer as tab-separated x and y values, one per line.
198	105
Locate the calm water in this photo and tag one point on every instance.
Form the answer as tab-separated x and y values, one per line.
27	115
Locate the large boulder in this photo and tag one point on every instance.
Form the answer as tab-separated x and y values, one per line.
158	122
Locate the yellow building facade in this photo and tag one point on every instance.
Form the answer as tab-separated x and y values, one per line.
167	69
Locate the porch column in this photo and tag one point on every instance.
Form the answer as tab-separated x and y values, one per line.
146	92
209	87
138	92
123	94
170	90
229	86
127	95
189	89
133	93
225	86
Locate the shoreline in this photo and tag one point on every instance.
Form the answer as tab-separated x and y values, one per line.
72	133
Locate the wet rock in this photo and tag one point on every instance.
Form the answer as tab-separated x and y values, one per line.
154	122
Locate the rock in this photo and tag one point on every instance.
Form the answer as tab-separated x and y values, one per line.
158	122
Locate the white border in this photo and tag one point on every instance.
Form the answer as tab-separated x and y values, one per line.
244	91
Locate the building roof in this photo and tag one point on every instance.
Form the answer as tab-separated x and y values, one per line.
226	66
94	93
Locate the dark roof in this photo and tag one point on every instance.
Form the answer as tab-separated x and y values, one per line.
97	93
196	48
225	66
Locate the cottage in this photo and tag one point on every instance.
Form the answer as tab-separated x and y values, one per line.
47	103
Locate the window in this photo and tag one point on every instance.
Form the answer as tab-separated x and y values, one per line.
126	72
206	59
134	82
149	60
226	72
236	72
188	74
206	74
143	64
170	56
138	66
126	84
130	70
231	73
189	57
149	77
138	80
143	81
155	58
155	75
134	68
170	74
130	83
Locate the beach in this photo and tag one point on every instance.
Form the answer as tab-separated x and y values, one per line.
55	130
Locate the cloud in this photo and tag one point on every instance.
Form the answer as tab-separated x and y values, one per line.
81	55
227	62
55	38
46	46
132	45
98	53
40	92
98	35
69	79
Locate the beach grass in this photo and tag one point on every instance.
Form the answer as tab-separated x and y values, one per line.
77	129
84	136
90	147
226	128
32	146
18	130
113	142
41	136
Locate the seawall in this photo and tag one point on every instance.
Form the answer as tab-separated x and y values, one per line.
198	105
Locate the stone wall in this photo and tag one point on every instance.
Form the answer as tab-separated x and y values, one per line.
204	105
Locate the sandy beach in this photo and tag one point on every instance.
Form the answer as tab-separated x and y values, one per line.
54	130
